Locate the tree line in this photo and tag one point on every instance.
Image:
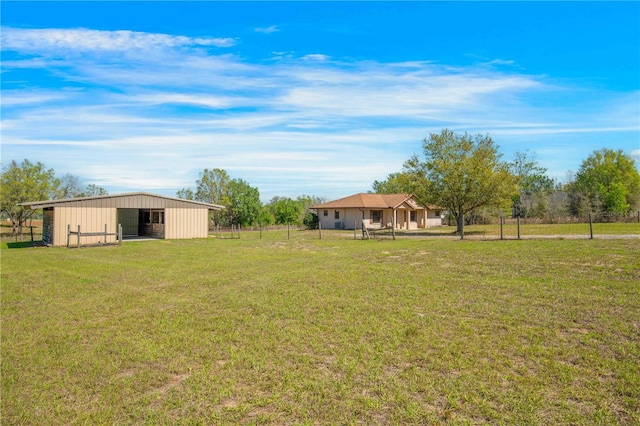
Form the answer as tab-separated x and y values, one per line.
466	175
461	173
242	202
27	181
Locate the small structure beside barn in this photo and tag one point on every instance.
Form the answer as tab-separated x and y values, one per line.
139	214
378	211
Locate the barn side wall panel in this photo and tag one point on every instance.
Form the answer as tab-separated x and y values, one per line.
186	223
90	219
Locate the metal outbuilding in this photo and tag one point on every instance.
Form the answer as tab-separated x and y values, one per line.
138	214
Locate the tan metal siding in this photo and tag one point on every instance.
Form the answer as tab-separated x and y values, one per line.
90	219
186	223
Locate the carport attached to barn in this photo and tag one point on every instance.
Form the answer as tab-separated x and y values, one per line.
140	214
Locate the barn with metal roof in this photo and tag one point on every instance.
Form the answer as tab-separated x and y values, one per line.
138	214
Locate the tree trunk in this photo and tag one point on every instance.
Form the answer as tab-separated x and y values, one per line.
460	220
16	227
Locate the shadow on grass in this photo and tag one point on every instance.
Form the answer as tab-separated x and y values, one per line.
24	244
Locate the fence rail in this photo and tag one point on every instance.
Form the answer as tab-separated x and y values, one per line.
79	234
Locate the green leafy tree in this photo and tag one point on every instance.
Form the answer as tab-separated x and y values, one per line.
398	183
186	194
213	187
244	203
310	217
462	173
608	183
534	186
265	218
22	183
287	210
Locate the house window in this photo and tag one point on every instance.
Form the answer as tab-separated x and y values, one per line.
413	216
336	215
326	213
376	216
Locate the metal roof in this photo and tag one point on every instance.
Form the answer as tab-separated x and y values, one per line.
52	203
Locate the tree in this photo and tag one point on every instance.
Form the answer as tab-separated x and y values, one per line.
608	183
462	173
69	186
265	218
286	210
186	194
244	203
397	183
213	187
93	190
533	184
309	216
22	183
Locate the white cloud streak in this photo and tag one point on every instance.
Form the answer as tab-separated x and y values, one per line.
49	41
267	30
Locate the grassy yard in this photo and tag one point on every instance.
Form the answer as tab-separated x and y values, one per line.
331	331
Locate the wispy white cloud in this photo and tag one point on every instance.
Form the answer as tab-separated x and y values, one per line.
267	30
51	40
316	57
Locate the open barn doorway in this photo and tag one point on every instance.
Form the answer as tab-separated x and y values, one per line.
141	223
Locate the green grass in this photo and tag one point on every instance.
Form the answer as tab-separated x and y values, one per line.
533	230
331	331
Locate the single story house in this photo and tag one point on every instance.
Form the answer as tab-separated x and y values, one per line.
378	211
139	214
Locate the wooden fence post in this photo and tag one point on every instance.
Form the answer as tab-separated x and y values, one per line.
68	234
518	221
78	239
119	234
393	225
320	228
501	223
355	227
105	233
590	227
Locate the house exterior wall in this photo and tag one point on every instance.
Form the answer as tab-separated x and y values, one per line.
349	217
433	219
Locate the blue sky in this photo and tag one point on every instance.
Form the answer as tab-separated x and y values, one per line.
310	98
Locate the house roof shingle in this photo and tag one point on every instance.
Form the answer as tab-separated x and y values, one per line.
369	201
